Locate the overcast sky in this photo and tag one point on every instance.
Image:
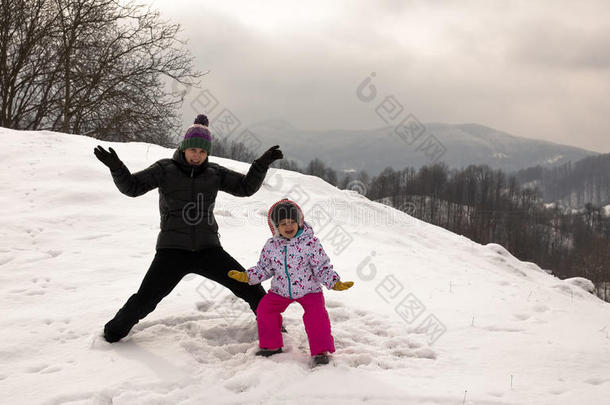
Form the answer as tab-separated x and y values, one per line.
537	69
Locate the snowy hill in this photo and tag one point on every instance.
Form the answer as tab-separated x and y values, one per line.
458	145
433	318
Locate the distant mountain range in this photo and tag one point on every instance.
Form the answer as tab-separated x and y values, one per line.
458	145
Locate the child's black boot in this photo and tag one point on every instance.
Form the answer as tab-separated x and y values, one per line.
268	352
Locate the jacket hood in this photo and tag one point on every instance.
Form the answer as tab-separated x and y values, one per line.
300	220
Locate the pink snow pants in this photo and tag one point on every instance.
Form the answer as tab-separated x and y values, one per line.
315	318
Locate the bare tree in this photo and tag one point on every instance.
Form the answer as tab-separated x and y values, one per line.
28	62
93	67
232	150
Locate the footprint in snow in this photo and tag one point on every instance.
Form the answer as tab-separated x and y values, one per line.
495	328
204	306
522	317
540	308
42	369
597	381
6	259
228	339
94	236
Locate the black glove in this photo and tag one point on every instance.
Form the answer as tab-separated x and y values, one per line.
274	153
110	159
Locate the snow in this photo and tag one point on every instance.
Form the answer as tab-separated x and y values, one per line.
433	318
554	159
581	282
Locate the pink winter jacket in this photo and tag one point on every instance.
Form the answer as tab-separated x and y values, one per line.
298	265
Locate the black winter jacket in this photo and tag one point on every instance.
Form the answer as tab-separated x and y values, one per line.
187	195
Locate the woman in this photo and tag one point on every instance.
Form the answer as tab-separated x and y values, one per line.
188	241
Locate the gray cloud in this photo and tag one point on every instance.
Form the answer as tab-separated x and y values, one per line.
530	69
557	46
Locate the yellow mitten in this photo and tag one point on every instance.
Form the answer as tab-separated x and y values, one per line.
340	286
240	276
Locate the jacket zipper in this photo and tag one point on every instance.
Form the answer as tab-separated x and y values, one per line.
286	271
193	247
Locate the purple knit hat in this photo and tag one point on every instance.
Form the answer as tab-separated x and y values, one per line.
198	135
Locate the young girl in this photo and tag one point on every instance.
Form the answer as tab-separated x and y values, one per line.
295	259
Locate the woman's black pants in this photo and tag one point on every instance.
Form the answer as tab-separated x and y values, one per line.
168	267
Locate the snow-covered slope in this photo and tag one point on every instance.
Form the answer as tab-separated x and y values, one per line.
433	318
